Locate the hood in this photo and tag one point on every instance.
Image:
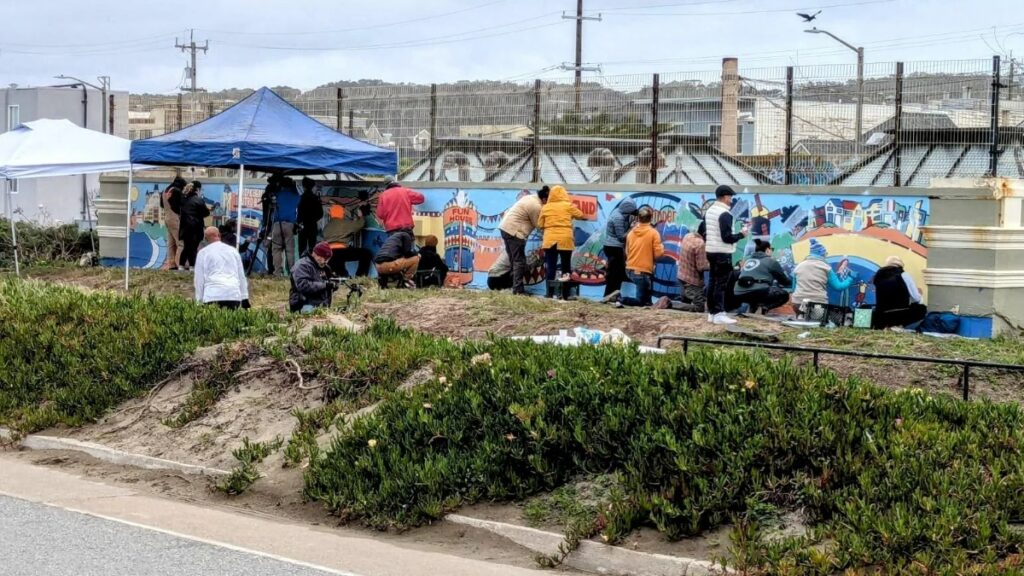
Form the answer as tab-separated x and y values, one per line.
627	207
558	194
888	272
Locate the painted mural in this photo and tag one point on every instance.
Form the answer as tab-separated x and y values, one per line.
854	233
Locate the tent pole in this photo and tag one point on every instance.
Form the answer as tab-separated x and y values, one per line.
14	231
241	190
127	227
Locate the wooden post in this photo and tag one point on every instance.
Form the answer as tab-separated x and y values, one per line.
787	176
654	130
536	131
431	159
897	175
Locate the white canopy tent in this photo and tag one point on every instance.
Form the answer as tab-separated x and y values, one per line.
44	148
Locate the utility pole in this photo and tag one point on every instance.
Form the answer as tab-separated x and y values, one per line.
192	47
579	67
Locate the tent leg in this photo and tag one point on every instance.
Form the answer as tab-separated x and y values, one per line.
127	228
241	190
14	230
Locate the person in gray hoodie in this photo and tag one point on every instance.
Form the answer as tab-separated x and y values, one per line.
615	245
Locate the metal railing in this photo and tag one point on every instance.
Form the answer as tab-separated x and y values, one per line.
816	353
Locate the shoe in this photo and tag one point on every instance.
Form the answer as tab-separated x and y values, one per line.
711	318
411	285
662	303
723	319
618	304
564	278
612	297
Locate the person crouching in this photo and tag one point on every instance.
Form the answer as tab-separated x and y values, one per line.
220	275
398	257
311	283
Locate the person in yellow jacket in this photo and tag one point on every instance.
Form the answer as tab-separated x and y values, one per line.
556	220
643	248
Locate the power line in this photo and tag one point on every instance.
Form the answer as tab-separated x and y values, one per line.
765	11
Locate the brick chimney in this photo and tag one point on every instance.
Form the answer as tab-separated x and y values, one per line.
730	105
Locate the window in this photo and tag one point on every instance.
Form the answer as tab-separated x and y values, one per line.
715	135
13	116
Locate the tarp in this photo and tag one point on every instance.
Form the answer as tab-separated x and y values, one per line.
265	133
59	148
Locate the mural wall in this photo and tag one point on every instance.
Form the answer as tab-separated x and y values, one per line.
854	233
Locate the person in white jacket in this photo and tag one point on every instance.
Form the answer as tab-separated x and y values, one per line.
220	275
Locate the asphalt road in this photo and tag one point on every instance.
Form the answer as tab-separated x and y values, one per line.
40	540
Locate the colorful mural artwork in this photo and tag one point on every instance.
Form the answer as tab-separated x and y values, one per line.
854	233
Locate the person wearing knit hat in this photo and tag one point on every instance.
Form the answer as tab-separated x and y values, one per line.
814	278
720	245
311	283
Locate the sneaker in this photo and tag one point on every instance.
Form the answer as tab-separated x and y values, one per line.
618	304
410	284
613	297
723	320
564	278
662	303
711	318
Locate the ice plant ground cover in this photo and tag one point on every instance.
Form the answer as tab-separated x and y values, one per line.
67	357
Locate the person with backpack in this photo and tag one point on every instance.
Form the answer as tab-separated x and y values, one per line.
310	212
170	201
762	282
898	302
615	233
194	212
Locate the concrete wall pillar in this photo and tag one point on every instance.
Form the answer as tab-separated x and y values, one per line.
976	251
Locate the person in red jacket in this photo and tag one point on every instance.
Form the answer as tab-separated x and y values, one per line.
394	207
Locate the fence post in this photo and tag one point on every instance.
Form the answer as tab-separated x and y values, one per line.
340	112
110	106
993	155
433	131
655	89
787	176
209	109
180	119
536	131
897	141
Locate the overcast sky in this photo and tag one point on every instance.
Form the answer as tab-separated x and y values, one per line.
305	43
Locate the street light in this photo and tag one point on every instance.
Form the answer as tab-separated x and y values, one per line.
103	88
860	81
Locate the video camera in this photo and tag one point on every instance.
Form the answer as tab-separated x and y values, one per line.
354	290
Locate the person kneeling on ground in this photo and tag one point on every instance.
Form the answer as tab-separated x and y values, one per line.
432	270
312	283
814	277
398	256
643	247
693	263
499	277
762	280
898	302
220	275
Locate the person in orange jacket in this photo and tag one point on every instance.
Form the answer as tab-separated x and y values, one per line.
556	220
643	248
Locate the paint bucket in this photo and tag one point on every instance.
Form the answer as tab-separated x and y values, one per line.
862	317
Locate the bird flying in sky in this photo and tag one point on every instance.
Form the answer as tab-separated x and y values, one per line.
808	17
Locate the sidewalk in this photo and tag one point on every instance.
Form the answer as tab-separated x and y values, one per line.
279	540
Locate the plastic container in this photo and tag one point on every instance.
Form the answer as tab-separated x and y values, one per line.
862	317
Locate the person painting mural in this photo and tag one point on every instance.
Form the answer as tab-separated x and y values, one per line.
616	230
814	277
762	283
643	248
394	207
171	200
898	301
556	219
519	222
720	245
193	214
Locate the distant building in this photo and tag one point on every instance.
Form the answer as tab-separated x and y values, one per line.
147	124
60	199
495	131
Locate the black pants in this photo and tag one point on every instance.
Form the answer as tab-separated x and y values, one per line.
307	239
342	256
721	268
901	317
189	251
503	282
227	304
552	256
616	269
516	250
767	297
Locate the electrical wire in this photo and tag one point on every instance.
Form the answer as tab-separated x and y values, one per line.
764	11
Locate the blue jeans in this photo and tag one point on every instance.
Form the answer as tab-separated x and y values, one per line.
643	283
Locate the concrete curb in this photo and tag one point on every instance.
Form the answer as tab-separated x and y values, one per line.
113	456
593	556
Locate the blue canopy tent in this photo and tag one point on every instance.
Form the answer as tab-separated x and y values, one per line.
262	133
